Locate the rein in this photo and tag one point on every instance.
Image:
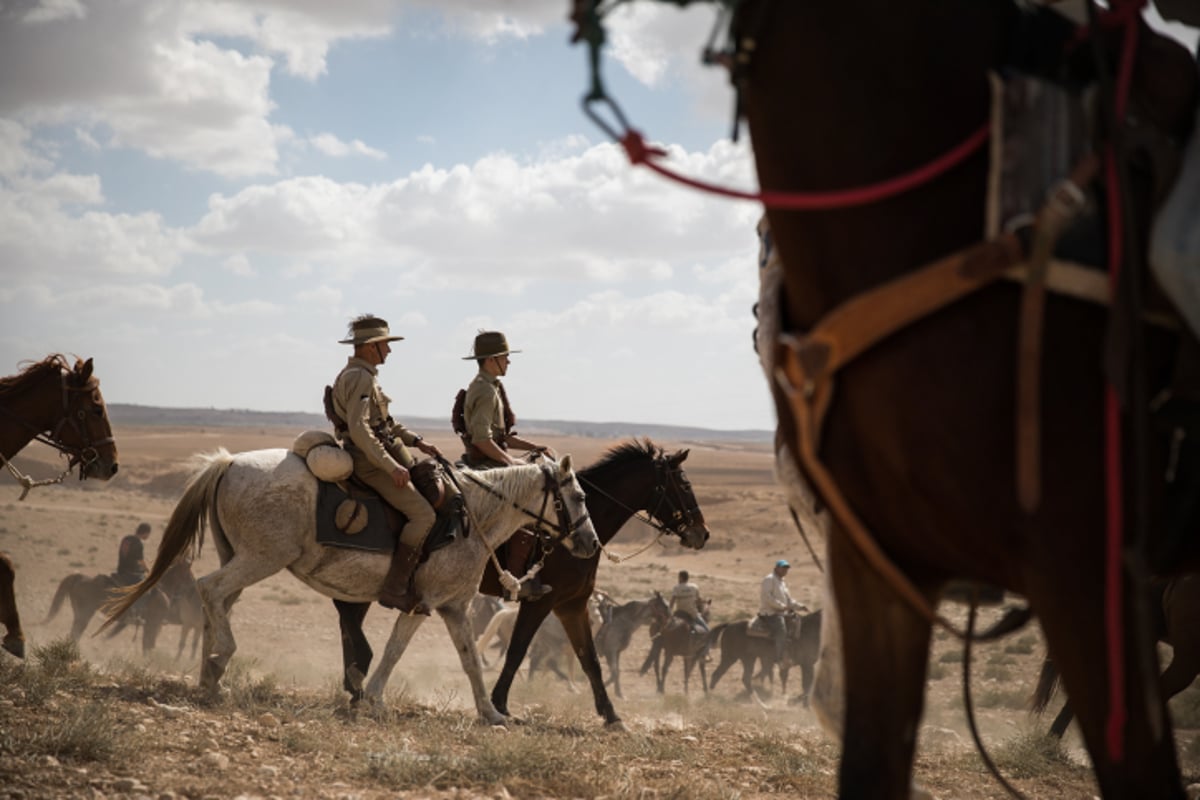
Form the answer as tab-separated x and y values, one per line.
680	519
552	488
591	30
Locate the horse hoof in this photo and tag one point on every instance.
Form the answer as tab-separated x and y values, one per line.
15	646
616	725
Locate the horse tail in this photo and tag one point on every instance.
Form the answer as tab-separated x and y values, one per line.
185	529
1047	683
65	587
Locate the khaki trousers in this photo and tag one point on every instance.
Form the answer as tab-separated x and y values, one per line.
408	501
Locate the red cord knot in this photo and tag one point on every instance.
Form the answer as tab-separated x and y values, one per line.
636	148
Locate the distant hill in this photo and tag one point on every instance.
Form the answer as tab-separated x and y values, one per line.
127	414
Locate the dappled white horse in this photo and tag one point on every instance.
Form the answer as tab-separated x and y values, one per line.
261	507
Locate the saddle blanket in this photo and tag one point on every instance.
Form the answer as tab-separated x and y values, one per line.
383	522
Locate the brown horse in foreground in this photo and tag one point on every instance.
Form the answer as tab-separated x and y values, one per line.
60	405
916	448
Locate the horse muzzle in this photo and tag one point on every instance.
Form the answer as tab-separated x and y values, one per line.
694	536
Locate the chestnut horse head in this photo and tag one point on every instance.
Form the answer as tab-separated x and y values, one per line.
59	404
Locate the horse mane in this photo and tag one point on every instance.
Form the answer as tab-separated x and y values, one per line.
33	372
624	454
502	483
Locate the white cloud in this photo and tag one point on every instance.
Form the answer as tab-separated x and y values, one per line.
331	145
16	157
239	265
51	10
547	220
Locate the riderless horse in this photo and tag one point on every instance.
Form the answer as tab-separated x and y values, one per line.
60	405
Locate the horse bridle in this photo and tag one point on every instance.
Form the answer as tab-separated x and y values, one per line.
667	478
86	453
551	492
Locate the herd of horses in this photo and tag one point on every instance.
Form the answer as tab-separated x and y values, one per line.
867	119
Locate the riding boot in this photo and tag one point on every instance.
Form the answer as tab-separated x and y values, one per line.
398	591
519	548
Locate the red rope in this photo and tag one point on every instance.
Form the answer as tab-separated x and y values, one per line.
1126	14
641	153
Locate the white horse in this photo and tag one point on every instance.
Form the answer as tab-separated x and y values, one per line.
261	508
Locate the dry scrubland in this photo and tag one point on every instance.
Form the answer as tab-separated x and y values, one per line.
100	720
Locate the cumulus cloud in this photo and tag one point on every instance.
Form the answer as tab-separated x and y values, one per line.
550	219
331	145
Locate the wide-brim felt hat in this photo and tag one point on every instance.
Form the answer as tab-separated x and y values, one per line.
489	344
369	331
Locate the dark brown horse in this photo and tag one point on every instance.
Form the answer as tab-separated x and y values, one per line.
1175	607
14	638
60	405
87	594
175	600
617	631
914	453
737	645
678	637
632	477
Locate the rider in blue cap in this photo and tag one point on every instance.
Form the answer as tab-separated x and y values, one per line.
774	605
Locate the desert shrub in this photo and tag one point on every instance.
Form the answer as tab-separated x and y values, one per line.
996	672
247	692
90	732
1023	646
1032	755
951	657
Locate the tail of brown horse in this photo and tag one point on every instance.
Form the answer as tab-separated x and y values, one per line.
65	587
1046	685
184	532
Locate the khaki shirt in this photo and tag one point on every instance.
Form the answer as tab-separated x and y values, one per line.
483	411
686	597
358	399
774	597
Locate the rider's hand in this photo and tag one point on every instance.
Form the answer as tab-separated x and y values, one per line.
429	449
400	477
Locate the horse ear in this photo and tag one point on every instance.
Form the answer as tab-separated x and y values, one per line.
565	463
678	458
86	372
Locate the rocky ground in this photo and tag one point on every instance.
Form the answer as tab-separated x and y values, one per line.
101	720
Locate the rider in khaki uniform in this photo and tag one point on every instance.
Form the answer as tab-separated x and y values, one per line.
379	446
489	436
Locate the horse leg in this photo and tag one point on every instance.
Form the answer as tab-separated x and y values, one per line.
356	650
529	619
459	627
14	637
218	592
881	717
402	632
668	657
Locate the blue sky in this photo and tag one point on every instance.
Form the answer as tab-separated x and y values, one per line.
201	194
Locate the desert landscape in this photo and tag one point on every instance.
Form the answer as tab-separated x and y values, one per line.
102	720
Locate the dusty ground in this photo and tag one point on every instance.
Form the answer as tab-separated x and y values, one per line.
285	729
